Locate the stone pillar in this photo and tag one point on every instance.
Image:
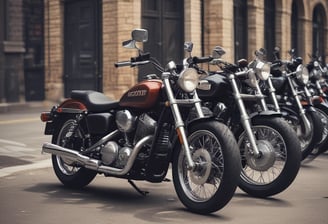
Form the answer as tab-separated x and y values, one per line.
255	26
119	19
218	27
54	49
283	28
193	24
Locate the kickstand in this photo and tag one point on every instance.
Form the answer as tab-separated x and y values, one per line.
143	193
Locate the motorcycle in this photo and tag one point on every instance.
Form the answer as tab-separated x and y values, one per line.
289	79
269	148
139	136
318	97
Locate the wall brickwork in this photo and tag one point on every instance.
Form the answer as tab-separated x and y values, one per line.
119	17
54	56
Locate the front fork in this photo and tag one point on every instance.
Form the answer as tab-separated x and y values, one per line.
273	96
306	122
245	120
179	124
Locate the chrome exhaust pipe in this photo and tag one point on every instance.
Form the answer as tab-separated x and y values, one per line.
95	164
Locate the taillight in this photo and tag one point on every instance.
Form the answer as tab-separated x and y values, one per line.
45	116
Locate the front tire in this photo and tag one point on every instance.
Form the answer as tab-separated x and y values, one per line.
323	145
212	183
279	163
68	172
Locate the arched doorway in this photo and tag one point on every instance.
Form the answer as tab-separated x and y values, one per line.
82	41
318	31
164	20
240	29
269	27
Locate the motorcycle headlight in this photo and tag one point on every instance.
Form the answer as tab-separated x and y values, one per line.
188	80
325	72
251	79
316	74
302	74
262	70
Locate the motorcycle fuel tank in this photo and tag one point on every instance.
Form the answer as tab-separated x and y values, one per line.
143	95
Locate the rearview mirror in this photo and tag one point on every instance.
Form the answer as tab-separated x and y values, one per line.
140	35
218	52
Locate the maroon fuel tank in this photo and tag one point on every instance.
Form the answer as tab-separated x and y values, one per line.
143	95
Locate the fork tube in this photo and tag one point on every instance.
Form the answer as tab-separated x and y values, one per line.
305	120
245	121
263	103
179	124
198	105
273	96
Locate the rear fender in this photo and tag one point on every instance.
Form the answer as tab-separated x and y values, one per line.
68	108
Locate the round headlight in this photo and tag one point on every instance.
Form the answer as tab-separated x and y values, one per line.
251	79
302	74
316	74
325	72
188	80
262	70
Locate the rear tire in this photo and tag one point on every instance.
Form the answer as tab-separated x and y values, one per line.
211	185
69	173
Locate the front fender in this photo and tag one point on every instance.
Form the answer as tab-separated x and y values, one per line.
195	121
270	113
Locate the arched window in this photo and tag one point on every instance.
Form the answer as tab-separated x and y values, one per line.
294	27
240	28
269	27
318	33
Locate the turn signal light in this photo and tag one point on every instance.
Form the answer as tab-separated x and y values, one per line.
45	116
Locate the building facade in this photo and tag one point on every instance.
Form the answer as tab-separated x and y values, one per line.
21	51
82	38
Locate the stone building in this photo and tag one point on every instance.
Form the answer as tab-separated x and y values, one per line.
82	38
21	51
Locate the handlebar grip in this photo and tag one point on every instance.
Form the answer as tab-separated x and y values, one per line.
241	73
122	64
202	59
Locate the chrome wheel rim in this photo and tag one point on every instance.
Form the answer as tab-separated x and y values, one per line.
201	183
264	170
66	166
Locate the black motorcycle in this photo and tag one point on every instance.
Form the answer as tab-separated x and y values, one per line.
317	96
289	80
269	147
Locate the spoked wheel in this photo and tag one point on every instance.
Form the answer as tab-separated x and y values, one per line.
68	171
308	142
323	144
279	161
211	184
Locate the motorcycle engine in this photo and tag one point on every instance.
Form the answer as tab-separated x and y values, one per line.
134	129
112	153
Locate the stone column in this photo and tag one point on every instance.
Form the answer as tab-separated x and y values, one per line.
218	27
193	24
119	19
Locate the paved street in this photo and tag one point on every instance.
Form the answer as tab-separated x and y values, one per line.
30	192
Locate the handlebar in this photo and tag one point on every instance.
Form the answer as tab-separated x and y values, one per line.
198	60
130	63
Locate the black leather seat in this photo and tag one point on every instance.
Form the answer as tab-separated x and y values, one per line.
94	101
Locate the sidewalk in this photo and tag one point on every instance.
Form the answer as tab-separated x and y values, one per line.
6	108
